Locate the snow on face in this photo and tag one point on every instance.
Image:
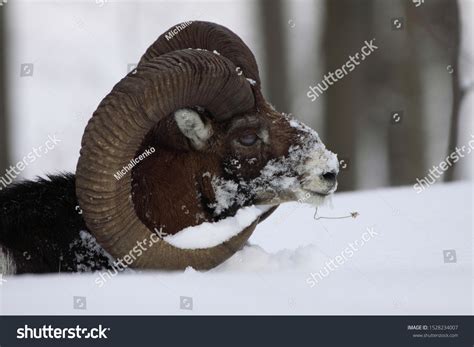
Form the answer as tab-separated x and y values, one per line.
296	176
314	158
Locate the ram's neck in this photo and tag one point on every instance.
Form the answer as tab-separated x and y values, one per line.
167	194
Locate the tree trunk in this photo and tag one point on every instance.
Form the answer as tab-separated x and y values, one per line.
275	67
452	28
406	138
4	152
348	25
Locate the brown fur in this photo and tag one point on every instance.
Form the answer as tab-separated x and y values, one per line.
170	188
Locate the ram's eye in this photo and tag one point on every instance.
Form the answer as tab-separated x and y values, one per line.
248	139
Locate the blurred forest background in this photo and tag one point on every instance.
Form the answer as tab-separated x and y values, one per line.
401	111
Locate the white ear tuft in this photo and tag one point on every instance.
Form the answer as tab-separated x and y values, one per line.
193	127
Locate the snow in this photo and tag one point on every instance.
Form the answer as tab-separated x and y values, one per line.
400	270
88	242
251	81
208	235
226	194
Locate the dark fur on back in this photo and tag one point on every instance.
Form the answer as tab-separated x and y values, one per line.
40	224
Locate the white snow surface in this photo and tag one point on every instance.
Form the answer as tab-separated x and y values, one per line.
400	270
208	235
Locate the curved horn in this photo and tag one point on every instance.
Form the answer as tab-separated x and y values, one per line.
208	36
157	88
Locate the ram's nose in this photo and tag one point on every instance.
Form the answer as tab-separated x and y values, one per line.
319	171
323	184
329	179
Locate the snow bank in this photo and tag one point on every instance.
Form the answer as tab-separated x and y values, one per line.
255	258
401	270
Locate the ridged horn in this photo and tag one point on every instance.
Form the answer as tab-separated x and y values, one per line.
208	36
159	86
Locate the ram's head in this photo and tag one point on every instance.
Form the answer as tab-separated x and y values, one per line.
194	99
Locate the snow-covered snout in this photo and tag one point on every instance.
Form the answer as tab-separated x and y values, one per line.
307	173
318	172
318	176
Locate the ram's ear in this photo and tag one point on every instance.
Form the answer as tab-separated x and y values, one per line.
193	127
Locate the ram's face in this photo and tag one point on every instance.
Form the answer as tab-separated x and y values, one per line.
264	157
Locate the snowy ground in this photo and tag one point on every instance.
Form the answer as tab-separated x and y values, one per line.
401	270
